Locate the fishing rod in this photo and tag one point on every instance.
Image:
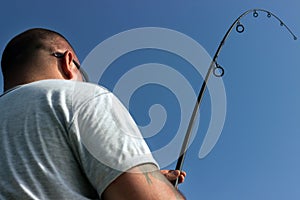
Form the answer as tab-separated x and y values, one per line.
218	71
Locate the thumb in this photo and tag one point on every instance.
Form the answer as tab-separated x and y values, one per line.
172	175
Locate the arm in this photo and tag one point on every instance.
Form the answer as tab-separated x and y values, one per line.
144	182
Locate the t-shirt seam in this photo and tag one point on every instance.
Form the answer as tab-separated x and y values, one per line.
75	114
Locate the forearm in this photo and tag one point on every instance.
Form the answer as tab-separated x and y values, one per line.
153	175
144	182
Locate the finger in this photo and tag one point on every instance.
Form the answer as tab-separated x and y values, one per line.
183	173
181	179
165	171
173	175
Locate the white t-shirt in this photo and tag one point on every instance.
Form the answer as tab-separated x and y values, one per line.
65	140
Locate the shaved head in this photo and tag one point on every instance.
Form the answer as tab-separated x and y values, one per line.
22	56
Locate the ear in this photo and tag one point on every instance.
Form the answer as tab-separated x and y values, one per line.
67	65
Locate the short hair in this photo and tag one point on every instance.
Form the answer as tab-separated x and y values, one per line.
22	48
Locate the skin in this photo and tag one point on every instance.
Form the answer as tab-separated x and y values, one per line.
145	182
172	175
142	182
46	66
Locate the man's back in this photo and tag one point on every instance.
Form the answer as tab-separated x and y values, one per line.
43	153
38	160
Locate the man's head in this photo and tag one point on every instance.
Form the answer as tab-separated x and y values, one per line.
38	54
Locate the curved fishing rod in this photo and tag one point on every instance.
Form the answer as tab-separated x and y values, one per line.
218	71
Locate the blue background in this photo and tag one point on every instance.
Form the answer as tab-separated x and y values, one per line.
257	155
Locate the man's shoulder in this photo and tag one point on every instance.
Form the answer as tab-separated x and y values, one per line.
69	94
59	90
68	87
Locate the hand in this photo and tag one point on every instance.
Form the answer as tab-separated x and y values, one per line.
171	175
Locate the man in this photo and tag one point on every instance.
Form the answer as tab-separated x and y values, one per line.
62	138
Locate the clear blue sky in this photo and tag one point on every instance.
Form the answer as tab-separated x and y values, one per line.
257	155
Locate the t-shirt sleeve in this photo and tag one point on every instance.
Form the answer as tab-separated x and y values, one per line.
106	140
